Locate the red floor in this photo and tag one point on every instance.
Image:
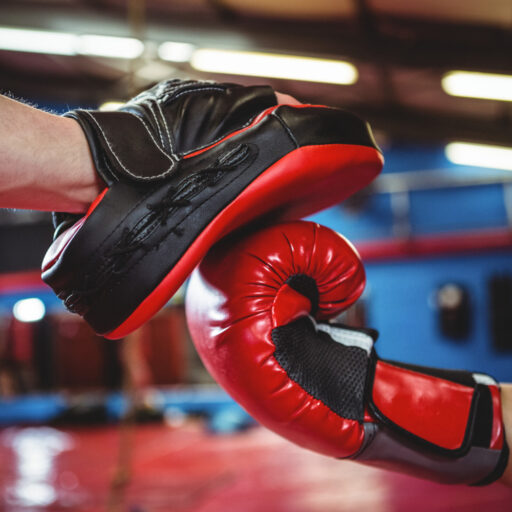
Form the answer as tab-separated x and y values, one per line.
186	470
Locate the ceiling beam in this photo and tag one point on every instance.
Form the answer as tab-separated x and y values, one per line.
410	43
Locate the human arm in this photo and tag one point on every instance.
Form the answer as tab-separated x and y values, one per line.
45	161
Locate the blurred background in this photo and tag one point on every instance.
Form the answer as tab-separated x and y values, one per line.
90	424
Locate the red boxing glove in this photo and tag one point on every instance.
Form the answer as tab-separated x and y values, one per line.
257	308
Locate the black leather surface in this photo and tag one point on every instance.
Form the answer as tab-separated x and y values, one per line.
144	225
332	126
107	294
150	133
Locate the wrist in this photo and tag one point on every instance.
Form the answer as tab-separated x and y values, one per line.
45	161
84	183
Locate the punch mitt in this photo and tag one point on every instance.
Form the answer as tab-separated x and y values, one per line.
185	163
258	308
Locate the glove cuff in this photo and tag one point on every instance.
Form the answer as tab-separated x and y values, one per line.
443	425
137	157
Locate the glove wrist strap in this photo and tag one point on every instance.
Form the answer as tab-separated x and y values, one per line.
438	424
137	157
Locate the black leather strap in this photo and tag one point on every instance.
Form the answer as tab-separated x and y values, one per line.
145	140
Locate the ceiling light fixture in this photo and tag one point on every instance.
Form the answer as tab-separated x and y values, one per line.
274	66
478	85
480	155
175	52
36	41
61	43
108	46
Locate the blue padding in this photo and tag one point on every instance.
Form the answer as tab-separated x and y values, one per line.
457	210
229	419
199	400
31	409
401	306
51	301
34	409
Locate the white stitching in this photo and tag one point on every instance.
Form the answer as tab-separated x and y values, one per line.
166	127
174	86
190	91
200	88
167	171
150	106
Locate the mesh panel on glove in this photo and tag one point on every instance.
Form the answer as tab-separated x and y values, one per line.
331	372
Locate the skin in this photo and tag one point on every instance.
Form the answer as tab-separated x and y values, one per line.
45	164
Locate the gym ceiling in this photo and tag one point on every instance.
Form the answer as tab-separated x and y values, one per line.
401	51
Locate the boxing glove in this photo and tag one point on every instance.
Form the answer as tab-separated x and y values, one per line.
258	308
185	163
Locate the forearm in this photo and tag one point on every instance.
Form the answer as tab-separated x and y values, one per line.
506	401
45	163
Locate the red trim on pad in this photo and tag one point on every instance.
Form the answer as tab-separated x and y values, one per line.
286	187
254	122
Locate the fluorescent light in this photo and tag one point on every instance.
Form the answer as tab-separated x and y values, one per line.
60	43
478	85
107	46
274	66
29	310
37	41
480	155
175	52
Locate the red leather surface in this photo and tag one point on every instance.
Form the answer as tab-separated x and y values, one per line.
305	181
288	305
231	310
497	435
431	408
